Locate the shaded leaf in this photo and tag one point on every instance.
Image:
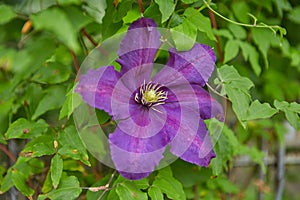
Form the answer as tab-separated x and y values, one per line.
52	73
56	21
168	184
250	53
6	14
53	99
19	181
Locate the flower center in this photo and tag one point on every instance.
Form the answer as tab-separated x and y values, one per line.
151	94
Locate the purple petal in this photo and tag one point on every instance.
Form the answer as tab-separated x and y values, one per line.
200	151
134	176
196	65
139	45
208	106
96	87
131	155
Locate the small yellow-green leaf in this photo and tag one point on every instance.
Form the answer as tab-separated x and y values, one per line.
155	193
56	169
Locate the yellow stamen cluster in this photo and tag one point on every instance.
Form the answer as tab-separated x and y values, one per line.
151	94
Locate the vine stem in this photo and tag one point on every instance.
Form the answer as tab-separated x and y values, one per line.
88	37
75	61
242	24
8	153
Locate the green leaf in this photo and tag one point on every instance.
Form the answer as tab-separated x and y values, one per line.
40	146
250	53
77	18
71	141
238	31
56	169
168	184
96	9
68	188
52	73
7	182
68	2
22	128
231	50
19	181
237	90
294	15
188	1
47	185
56	21
201	22
166	8
292	112
258	110
73	100
128	191
113	195
6	14
226	144
230	76
53	99
184	35
155	193
263	38
123	7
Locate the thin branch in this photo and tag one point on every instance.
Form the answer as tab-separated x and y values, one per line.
8	153
214	25
75	61
141	6
89	37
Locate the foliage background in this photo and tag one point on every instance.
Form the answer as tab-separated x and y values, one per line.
43	43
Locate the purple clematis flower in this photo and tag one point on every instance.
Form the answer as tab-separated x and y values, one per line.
167	109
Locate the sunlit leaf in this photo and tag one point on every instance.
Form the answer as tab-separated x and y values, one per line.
19	181
155	193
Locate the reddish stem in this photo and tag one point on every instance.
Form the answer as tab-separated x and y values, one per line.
141	6
214	25
75	61
88	37
8	153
